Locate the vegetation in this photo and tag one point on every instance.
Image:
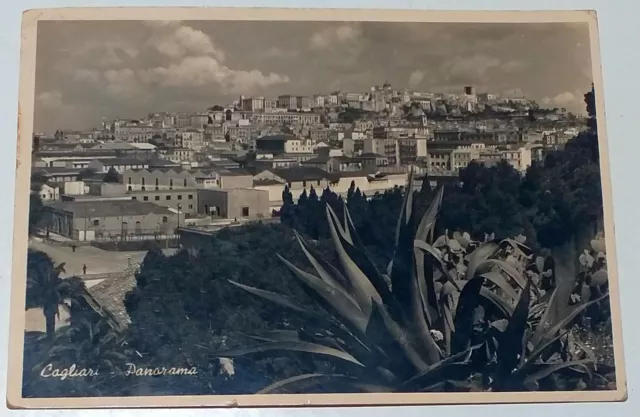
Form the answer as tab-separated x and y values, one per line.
447	314
482	285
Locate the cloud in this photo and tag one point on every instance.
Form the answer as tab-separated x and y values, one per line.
122	83
207	71
415	78
334	35
176	41
565	99
514	66
471	67
50	99
87	75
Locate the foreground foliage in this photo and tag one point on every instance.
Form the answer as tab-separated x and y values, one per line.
447	314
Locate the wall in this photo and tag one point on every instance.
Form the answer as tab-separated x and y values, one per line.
187	198
229	182
115	225
229	203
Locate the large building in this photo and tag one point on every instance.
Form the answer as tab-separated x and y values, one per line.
115	219
278	118
398	151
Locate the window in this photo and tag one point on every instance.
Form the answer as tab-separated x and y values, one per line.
165	219
134	198
245	211
180	197
304	184
143	183
157	198
318	182
168	197
185	182
143	188
96	222
129	182
171	183
138	228
190	197
145	198
191	206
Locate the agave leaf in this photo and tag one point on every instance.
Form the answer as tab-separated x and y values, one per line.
320	268
498	279
535	377
439	369
332	217
381	321
479	255
537	352
588	352
572	315
345	306
505	308
449	326
544	320
363	289
407	207
467	304
335	378
426	288
427	223
438	261
276	336
358	253
276	298
290	346
510	270
511	343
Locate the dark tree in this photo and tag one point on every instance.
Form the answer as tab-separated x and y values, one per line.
111	176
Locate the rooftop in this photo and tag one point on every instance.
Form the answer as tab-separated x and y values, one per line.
109	208
295	174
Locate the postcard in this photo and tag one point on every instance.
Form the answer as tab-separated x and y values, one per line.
279	207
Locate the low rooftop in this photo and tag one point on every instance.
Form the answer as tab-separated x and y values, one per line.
109	208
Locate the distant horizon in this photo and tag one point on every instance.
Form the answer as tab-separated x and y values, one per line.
90	70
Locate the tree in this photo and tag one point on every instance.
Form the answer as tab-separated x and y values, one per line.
86	173
111	176
45	288
184	310
36	212
287	211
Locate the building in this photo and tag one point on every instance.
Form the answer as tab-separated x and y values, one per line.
87	221
119	164
287	102
280	118
57	174
238	203
178	178
284	144
49	191
252	104
305	103
192	139
334	163
214	133
177	154
398	151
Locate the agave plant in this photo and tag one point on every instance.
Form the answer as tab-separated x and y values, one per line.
430	322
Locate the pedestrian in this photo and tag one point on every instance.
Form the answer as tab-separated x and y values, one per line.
73	248
84	269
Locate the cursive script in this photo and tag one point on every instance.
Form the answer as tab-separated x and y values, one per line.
71	372
135	371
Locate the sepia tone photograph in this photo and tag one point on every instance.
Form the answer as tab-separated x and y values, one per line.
312	207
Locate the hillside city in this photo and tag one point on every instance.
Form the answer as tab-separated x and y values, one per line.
228	164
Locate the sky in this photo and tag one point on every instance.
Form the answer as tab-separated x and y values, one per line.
90	70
